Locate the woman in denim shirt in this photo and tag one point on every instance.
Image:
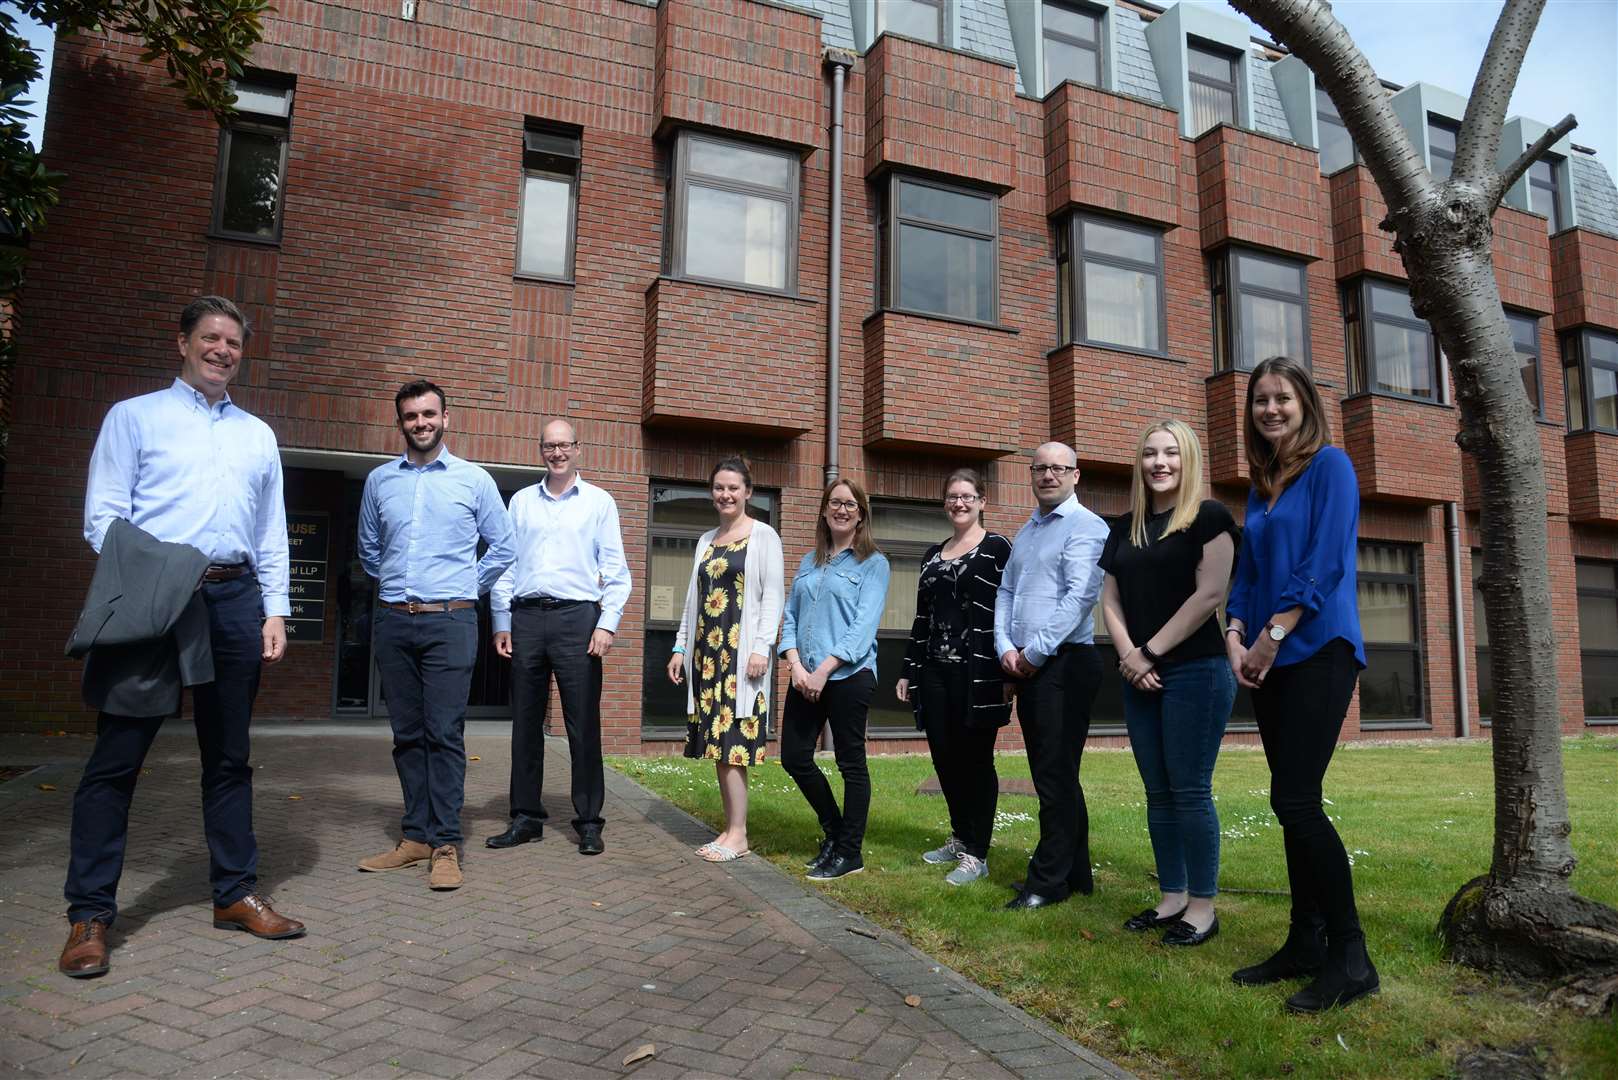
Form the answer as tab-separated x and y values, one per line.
829	639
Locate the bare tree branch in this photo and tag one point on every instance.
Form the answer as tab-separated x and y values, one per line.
1314	35
1514	171
1479	141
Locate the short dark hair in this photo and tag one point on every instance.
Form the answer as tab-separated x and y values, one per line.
213	305
736	464
416	388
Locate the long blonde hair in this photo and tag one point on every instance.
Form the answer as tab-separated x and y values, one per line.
1188	500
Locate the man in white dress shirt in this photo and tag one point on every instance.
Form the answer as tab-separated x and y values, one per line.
557	610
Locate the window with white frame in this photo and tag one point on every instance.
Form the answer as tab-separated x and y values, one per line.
545	235
1072	43
1261	309
734	212
1110	282
1390	350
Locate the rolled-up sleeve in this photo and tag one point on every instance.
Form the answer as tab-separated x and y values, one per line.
1334	515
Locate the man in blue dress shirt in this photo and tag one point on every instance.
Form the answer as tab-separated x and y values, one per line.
188	466
420	520
557	610
1044	633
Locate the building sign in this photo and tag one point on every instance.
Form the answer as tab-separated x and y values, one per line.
308	541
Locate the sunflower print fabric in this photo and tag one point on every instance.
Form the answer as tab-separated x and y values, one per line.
715	731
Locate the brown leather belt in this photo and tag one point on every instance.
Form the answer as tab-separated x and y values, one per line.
420	607
222	572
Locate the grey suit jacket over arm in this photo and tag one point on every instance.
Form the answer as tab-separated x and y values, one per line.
144	626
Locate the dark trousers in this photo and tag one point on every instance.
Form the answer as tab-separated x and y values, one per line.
843	704
425	662
1054	710
963	756
1300	710
546	641
222	711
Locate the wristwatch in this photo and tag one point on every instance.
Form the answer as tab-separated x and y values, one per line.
1276	631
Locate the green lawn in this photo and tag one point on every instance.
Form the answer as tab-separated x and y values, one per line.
1416	818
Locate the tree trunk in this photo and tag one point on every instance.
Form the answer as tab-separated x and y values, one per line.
1522	918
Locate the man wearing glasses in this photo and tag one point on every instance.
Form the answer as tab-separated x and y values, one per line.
557	610
1044	635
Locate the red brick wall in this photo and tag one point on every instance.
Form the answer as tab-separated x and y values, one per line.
1592	477
1404	451
1522	260
396	260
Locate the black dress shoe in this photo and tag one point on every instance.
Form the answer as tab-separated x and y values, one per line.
837	866
1183	933
1028	901
522	830
828	848
590	842
1151	920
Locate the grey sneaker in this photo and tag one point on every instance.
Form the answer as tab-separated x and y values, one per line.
951	851
967	870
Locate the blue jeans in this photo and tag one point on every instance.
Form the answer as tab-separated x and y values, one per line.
1175	734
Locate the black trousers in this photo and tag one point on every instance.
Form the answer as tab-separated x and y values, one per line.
546	641
222	710
1054	710
843	704
963	756
426	665
1300	710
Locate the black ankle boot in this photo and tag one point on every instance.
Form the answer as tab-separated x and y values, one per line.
1347	977
1303	954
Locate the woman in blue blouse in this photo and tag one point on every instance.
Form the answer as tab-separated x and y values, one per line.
1294	640
829	639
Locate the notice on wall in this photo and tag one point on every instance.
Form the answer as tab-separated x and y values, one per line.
662	602
308	543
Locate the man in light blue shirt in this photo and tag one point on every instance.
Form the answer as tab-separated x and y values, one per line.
1044	632
420	520
188	466
556	611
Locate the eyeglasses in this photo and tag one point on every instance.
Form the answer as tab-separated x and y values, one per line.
553	447
1054	470
844	505
964	500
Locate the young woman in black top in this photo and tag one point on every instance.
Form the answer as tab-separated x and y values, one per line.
1168	564
952	678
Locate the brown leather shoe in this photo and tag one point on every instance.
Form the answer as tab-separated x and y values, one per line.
446	869
408	853
252	914
85	954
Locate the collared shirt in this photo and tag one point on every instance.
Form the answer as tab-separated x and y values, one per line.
1048	593
835	610
419	529
569	547
1301	553
192	473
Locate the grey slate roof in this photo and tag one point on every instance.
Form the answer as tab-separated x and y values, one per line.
985	30
1268	116
1595	199
1132	65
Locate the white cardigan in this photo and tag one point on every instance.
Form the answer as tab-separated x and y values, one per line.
761	615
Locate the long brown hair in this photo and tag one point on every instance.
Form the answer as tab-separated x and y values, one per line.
864	546
1273	467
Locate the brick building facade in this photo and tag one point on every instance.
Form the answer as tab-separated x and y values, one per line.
619	211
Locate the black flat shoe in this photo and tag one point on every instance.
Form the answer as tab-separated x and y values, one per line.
827	847
1151	920
590	842
1183	933
1028	901
837	866
522	830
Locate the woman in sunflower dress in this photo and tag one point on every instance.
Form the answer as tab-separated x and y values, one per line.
722	650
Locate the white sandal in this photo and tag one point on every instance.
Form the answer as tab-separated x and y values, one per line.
721	853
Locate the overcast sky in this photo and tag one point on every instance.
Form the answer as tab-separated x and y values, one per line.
1572	64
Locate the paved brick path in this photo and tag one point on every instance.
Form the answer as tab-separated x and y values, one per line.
546	964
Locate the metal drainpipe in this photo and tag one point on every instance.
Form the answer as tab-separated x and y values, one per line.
1457	603
839	61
